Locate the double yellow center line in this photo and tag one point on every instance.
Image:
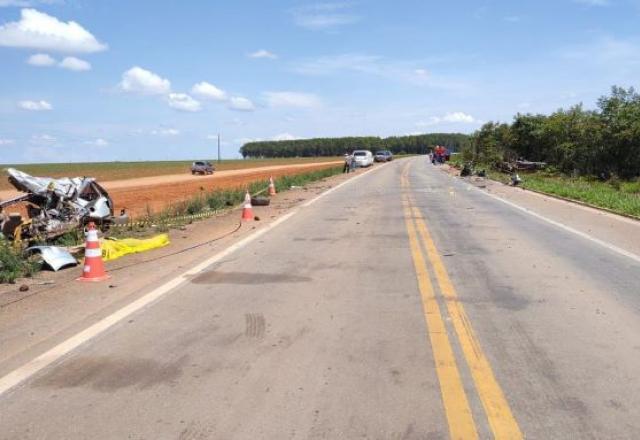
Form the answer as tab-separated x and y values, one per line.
458	412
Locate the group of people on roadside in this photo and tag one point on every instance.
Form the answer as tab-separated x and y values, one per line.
439	155
349	163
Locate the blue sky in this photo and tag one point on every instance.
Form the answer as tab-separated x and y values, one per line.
152	80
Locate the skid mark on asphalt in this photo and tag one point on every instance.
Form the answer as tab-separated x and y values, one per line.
107	374
218	277
255	325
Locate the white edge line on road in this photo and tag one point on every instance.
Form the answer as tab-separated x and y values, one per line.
27	370
581	234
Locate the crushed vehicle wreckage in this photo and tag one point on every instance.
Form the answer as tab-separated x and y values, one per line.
54	207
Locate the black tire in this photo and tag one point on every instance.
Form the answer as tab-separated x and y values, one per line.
260	201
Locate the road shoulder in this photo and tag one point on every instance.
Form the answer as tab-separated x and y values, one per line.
615	230
36	320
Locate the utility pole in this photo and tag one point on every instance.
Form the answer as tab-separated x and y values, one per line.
219	148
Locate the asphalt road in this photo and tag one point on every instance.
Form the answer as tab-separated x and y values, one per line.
403	305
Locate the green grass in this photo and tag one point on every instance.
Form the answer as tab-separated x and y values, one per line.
13	264
622	197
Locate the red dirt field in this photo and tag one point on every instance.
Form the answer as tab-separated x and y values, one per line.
138	200
153	194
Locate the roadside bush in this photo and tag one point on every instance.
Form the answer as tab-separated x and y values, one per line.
71	238
576	141
13	265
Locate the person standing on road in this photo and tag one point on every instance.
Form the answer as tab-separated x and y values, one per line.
347	163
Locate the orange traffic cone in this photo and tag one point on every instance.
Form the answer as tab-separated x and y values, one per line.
272	187
247	209
93	266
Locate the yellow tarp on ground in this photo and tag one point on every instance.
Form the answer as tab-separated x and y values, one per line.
114	249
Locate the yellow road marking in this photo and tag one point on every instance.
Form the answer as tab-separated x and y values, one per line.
457	410
501	420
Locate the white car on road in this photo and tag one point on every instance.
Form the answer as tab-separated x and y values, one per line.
363	158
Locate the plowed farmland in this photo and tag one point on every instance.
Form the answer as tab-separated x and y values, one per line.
154	193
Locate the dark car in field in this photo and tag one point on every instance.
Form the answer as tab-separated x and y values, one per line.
383	156
202	167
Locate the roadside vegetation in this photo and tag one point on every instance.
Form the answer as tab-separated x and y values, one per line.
13	265
399	145
592	156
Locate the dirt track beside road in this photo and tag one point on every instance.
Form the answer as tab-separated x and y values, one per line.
157	193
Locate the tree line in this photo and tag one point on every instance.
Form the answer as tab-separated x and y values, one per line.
415	144
601	142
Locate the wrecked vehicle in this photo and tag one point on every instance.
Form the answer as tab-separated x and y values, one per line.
53	206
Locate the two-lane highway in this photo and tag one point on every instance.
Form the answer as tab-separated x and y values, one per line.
403	305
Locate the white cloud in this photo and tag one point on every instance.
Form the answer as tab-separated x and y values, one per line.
6	141
75	64
449	118
183	102
37	30
98	142
165	132
332	64
41	60
284	137
43	138
206	90
292	99
241	104
321	16
35	106
246	140
144	82
262	53
459	117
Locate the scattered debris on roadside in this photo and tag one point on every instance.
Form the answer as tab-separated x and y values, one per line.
53	207
260	201
46	225
522	165
53	256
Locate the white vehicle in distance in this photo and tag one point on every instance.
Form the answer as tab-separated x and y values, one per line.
363	158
